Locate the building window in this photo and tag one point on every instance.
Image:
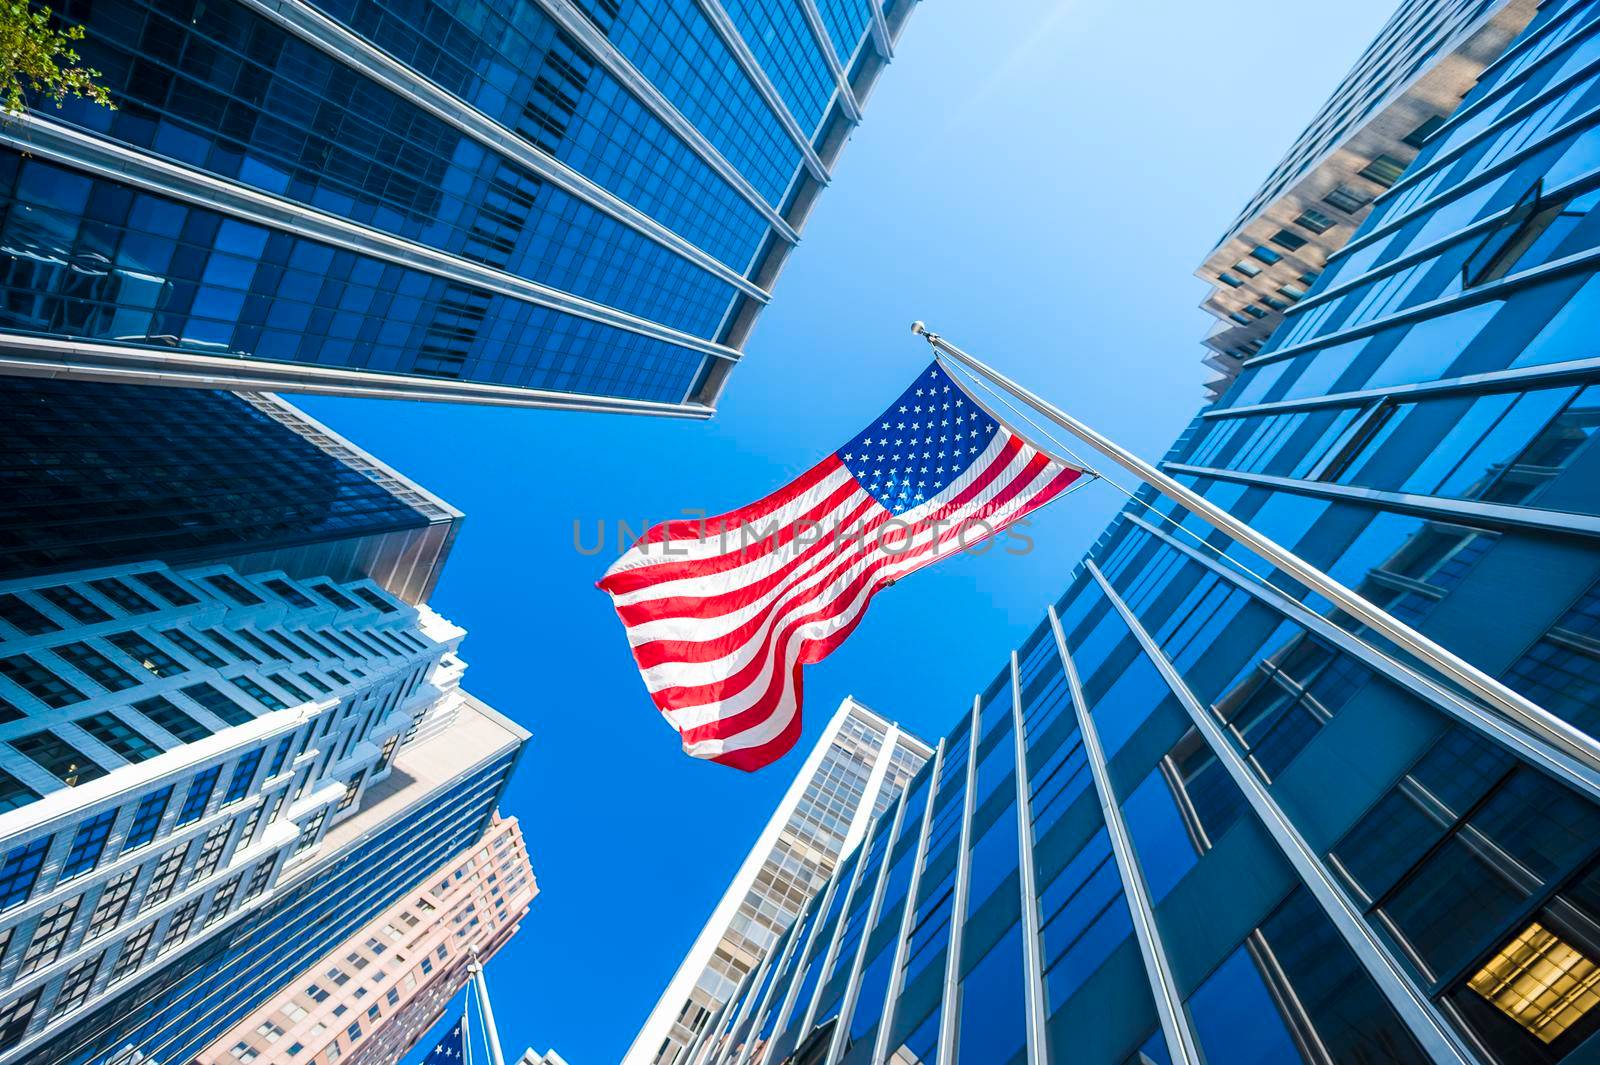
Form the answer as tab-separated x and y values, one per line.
14	793
147	819
387	753
87	845
19	871
332	595
259	694
374	599
95	666
115	734
222	900
49	936
211	849
39	682
1265	254
244	773
147	654
15	1018
1315	221
58	757
222	706
308	831
200	789
165	877
75	606
1541	982
197	650
164	715
1419	136
351	790
1288	240
1384	170
1229	280
178	927
289	593
233	589
23	617
1247	268
122	595
1347	199
77	984
280	756
289	686
166	588
133	951
113	902
260	878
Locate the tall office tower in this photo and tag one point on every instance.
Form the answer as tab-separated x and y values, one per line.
571	203
369	999
98	475
860	764
201	793
1251	830
1405	85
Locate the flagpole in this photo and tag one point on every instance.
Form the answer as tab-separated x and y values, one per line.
491	1033
1534	718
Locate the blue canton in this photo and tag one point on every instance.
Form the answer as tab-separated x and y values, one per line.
925	440
448	1052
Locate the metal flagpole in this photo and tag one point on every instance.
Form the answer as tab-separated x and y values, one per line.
490	1033
1534	718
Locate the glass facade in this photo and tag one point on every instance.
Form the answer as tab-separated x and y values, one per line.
517	201
1202	815
98	474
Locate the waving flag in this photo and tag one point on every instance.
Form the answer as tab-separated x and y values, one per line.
449	1049
723	613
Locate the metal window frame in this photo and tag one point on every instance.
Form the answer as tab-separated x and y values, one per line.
950	1001
841	78
1032	956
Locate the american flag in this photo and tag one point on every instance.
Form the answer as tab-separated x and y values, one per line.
449	1049
722	613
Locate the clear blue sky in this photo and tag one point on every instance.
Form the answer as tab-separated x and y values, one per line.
1037	179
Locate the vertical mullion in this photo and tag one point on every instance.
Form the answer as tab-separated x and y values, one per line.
1441	1042
1032	961
832	957
958	902
793	990
897	969
847	1007
1181	1041
766	998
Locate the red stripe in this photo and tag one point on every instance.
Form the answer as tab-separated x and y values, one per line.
693	528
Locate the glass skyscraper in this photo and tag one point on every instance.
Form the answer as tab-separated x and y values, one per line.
101	474
859	765
577	203
1202	816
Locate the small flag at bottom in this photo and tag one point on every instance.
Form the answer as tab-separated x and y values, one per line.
723	613
449	1049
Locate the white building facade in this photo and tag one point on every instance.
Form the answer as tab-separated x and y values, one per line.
859	765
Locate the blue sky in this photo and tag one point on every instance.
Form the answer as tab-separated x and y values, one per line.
1037	179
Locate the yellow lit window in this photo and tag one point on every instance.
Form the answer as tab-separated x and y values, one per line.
1540	981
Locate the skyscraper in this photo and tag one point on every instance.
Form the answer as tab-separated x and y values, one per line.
859	765
369	999
189	755
99	475
1405	85
573	203
1251	830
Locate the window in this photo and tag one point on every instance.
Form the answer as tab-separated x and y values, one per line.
332	595
77	984
15	1018
1229	280
289	686
260	878
166	588
315	682
1347	199
87	845
146	819
271	652
233	589
1384	170
222	900
1315	221
211	849
39	682
49	935
23	617
374	599
1265	254
147	654
219	704
308	831
122	595
1527	236
200	789
199	651
288	593
95	666
1247	268
352	789
239	653
75	606
1288	240
111	731
1292	291
1419	136
170	719
14	793
178	927
111	905
1255	312
165	877
58	757
259	694
133	951
243	774
280	756
1541	982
